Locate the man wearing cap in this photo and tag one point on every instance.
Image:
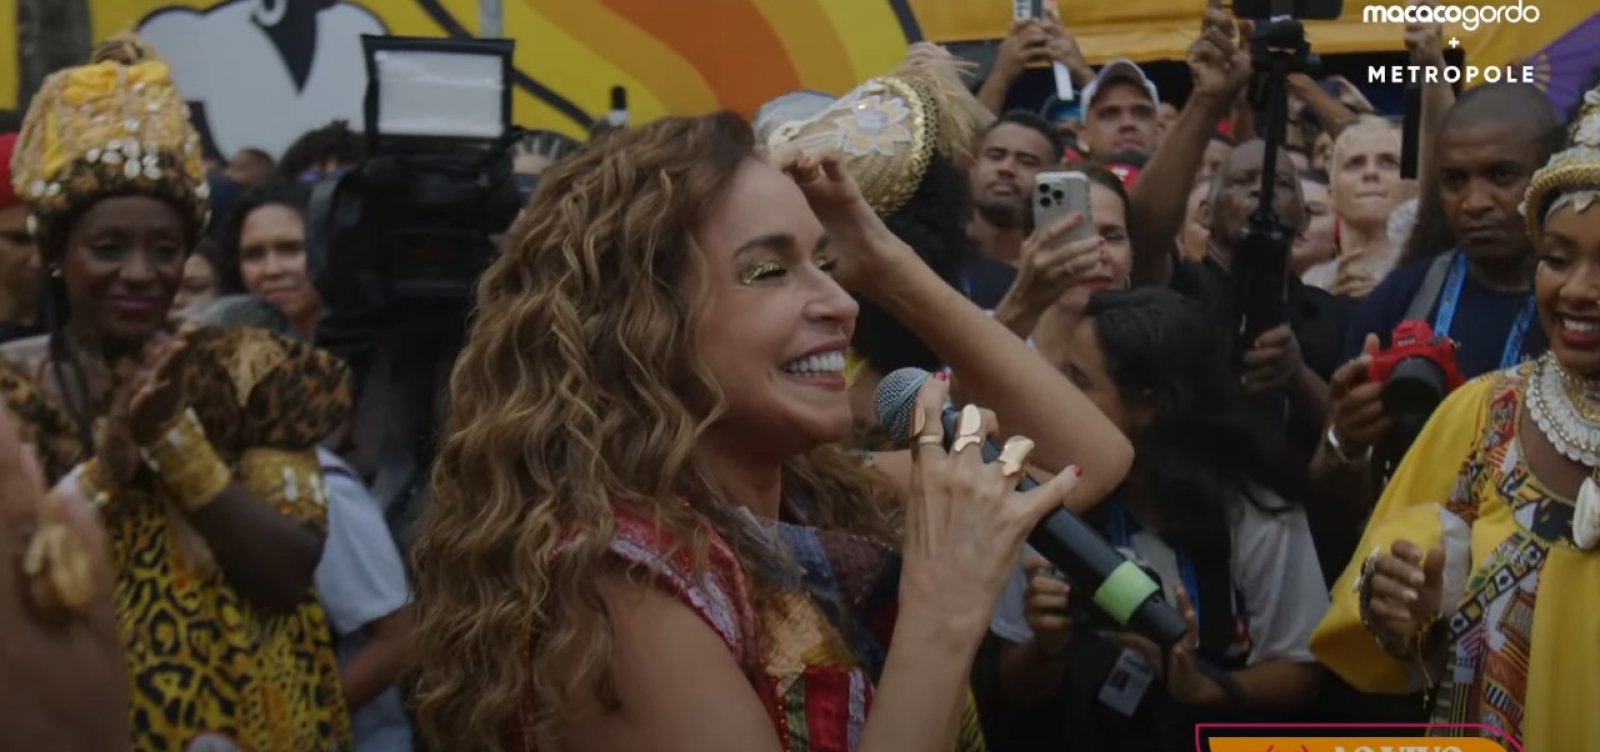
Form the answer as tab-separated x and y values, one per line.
19	259
1123	112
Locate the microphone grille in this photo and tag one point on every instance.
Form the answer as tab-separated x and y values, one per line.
894	400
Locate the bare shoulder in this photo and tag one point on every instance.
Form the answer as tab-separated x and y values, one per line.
678	687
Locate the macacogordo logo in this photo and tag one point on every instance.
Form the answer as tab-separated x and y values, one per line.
1469	16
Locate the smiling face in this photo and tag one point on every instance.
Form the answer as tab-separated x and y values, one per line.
775	324
1567	288
122	264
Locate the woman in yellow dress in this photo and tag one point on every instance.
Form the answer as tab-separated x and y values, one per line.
1483	565
196	448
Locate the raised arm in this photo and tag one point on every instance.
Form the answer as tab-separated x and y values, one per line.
1028	42
1426	44
264	527
995	367
1156	205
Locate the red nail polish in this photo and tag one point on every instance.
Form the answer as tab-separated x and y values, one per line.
1077	471
942	376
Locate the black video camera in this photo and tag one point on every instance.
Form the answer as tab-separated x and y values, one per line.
413	226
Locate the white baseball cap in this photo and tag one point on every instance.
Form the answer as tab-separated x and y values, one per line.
1121	69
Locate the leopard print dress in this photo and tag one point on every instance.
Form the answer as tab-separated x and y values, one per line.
209	671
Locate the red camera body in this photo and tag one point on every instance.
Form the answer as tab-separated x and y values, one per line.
1415	339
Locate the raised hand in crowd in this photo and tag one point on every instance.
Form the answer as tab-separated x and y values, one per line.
1063	48
1027	43
1049	267
1219	69
66	687
1425	41
1044	605
1218	64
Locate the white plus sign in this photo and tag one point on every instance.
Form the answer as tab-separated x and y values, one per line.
1454	43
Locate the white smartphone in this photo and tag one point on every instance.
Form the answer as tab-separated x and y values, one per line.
1059	194
1023	10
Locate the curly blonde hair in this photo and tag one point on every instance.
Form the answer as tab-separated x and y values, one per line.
580	386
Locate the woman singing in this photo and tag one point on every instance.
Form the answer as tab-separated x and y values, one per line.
197	449
645	535
1479	567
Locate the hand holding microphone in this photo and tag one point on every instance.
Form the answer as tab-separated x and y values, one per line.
965	520
1118	586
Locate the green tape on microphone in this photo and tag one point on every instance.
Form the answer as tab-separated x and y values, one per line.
1123	591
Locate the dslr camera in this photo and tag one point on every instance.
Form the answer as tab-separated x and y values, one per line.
1416	371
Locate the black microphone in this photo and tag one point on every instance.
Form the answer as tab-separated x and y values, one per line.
1120	588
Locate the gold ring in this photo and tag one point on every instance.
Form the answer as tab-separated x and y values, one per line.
929	438
1015	453
962	442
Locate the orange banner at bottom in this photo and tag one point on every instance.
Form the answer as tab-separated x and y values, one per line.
1350	744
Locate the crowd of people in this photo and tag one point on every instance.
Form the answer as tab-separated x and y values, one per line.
673	506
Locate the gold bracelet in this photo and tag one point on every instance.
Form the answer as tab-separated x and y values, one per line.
186	463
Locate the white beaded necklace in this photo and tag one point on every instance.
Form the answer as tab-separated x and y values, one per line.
1574	432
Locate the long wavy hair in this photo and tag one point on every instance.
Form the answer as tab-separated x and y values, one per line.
580	387
1205	448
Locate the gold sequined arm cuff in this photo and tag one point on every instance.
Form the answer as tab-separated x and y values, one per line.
291	481
187	464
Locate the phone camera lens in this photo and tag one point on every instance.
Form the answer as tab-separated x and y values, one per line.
1058	195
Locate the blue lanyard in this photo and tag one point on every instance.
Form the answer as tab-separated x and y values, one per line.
1121	529
1512	352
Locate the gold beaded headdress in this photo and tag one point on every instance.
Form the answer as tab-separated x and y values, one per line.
1575	169
116	126
887	129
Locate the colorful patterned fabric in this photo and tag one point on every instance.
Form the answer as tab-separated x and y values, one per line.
208	670
814	652
1521	663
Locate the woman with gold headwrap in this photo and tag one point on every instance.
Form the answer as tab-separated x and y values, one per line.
1485	548
197	448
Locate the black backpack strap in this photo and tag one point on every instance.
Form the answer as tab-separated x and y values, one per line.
1428	293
